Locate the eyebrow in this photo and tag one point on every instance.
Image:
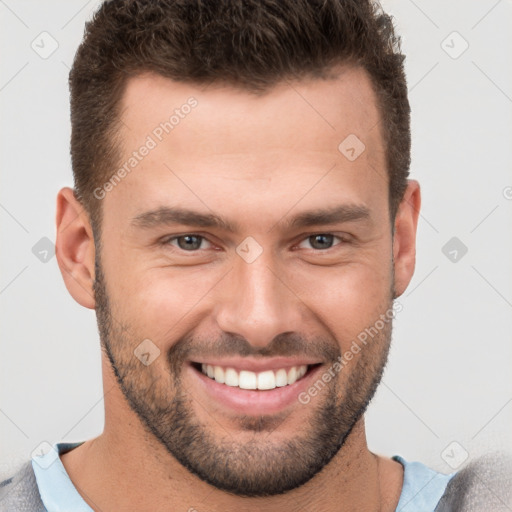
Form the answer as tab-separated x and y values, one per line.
164	216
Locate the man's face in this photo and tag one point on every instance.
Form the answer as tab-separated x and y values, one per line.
263	297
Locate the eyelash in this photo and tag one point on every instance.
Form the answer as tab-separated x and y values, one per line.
167	241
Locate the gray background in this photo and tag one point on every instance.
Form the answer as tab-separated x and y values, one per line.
446	396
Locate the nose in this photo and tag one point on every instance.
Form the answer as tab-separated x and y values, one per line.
258	302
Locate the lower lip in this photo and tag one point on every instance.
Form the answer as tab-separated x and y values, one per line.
254	402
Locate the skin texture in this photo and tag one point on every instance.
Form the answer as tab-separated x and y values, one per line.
256	161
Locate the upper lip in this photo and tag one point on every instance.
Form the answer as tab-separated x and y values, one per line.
257	365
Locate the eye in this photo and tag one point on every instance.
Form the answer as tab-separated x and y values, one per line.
188	242
321	241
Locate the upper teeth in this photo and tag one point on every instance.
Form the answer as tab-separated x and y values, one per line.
245	379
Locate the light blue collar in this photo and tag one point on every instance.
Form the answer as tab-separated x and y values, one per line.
55	487
422	488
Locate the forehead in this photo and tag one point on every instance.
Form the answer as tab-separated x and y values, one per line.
337	106
208	141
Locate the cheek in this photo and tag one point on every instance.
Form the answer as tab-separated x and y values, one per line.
162	302
347	299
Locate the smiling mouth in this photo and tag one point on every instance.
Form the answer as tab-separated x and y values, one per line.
245	379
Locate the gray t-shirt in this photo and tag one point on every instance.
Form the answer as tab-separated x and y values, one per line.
422	488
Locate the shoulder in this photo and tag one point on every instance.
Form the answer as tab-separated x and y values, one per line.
19	490
483	484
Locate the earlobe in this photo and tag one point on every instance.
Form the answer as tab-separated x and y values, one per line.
404	240
74	248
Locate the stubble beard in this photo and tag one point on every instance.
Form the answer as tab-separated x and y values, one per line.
266	464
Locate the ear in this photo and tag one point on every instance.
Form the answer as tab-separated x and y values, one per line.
74	248
404	239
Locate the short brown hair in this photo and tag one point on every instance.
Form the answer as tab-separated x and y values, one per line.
252	44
